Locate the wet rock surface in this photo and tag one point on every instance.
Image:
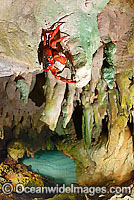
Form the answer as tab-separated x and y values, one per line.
115	22
20	38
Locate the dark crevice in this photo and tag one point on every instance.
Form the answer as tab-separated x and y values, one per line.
3	153
19	77
96	92
119	95
4	142
131	82
37	94
22	118
105	126
66	92
56	139
77	119
130	125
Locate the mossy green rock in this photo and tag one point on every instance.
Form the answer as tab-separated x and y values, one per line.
24	90
108	70
16	149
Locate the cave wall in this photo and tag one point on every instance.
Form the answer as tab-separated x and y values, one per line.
20	38
15	117
108	103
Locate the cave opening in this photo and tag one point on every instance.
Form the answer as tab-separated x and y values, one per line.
3	142
104	130
37	94
77	119
3	151
130	125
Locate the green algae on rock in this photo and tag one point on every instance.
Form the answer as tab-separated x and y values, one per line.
87	126
124	83
16	150
93	114
81	45
24	90
18	174
108	72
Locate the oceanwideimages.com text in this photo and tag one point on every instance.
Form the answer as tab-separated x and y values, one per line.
8	188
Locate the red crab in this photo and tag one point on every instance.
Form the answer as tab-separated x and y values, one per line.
49	54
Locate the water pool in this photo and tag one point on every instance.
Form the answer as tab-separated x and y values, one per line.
53	164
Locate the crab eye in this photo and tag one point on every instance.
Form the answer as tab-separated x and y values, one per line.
42	37
47	36
50	35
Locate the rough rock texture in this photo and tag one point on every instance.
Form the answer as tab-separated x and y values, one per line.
20	38
116	22
14	117
103	163
56	101
21	129
107	113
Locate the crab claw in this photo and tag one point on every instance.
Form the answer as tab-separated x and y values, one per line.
55	32
60	59
53	44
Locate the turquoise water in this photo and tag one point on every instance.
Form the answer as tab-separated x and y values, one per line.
53	164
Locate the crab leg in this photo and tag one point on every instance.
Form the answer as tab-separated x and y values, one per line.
60	59
61	78
44	42
55	32
43	34
53	44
